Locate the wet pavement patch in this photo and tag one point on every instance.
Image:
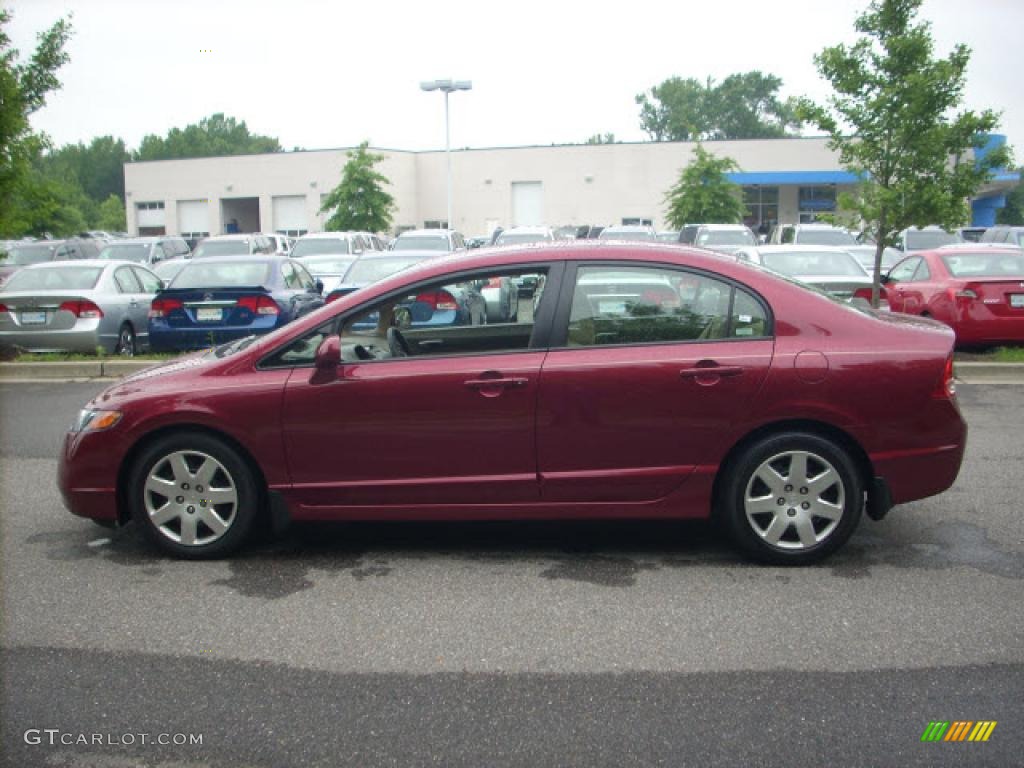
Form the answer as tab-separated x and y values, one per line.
602	570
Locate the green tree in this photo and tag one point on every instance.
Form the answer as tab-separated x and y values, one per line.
704	193
213	136
743	106
602	138
359	202
111	216
1013	213
24	87
98	166
907	145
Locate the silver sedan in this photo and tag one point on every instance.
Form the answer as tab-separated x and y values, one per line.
78	306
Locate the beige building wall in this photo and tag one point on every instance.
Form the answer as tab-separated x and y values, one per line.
582	184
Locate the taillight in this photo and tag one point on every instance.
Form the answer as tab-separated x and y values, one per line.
259	305
967	293
3	308
947	384
84	309
163	307
438	300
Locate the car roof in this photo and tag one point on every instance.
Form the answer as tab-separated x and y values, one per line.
421	232
230	237
797	248
722	226
267	257
138	240
64	263
325	235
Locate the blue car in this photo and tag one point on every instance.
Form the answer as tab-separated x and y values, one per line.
222	298
461	304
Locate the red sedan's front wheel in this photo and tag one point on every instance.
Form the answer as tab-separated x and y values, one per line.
193	495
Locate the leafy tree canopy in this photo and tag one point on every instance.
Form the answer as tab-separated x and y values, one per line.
98	166
24	87
212	136
1013	213
703	194
359	202
602	138
110	215
893	120
743	106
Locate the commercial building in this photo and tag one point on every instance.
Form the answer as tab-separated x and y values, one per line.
784	180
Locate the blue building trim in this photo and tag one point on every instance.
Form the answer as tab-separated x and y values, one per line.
805	178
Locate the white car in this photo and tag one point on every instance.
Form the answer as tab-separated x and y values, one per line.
724	238
833	270
329	244
826	234
524	235
443	240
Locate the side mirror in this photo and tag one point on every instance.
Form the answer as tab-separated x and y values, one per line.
320	287
328	355
884	279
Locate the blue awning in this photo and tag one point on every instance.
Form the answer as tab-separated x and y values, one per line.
803	178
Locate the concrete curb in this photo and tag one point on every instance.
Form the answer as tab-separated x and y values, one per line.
989	373
79	369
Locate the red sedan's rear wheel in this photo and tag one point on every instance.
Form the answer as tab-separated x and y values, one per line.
792	499
193	495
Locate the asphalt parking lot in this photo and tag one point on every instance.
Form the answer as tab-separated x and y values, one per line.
513	644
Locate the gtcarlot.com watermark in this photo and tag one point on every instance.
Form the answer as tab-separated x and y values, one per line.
56	737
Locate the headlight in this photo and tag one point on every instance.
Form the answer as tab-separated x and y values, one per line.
93	421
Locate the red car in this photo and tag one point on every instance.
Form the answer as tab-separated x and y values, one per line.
980	293
639	381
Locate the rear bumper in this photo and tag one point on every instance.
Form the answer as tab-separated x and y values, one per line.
992	330
165	338
918	472
83	341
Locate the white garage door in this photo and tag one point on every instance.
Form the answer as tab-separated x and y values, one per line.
193	217
527	203
290	214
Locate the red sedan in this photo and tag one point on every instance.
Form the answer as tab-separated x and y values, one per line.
638	381
980	293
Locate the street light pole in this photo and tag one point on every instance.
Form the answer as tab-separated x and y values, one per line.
447	86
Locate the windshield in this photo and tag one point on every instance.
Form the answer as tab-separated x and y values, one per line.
328	265
371	270
63	279
626	234
30	254
726	237
233	274
813	263
421	243
222	248
1008	265
513	238
129	251
928	239
320	245
825	237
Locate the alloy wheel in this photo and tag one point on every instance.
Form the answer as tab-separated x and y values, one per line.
190	498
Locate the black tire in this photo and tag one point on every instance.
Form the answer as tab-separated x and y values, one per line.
233	471
127	345
842	496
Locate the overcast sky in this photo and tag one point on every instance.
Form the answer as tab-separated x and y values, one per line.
331	74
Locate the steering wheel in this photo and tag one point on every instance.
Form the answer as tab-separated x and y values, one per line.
397	344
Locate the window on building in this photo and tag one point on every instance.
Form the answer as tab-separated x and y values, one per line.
435	224
637	222
292	232
152	206
762	207
815	200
